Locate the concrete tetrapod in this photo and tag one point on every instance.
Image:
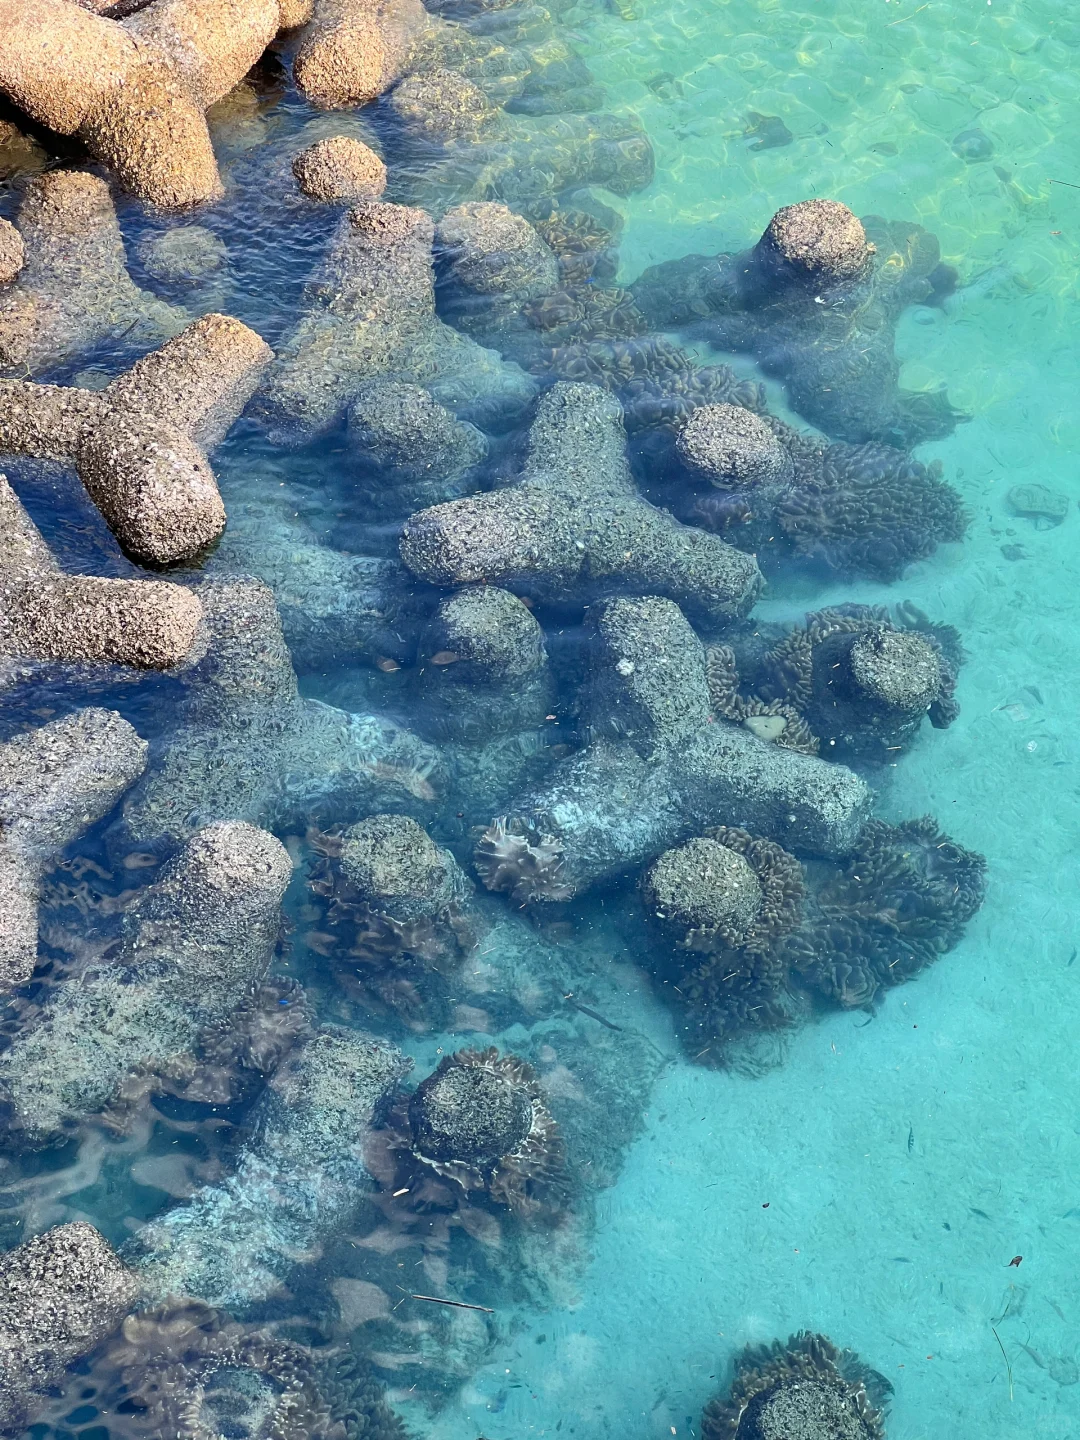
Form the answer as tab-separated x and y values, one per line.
489	154
249	746
74	291
816	302
134	91
575	528
374	318
296	1183
47	614
194	945
660	770
60	1294
136	444
353	50
54	784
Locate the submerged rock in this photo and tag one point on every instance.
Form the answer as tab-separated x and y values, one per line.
484	669
298	1180
411	451
183	256
249	746
489	154
660	770
74	291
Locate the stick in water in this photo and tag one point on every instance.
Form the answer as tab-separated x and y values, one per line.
457	1304
1005	1357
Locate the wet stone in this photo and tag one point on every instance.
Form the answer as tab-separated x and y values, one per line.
1046	507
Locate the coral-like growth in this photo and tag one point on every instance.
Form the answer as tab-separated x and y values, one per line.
862	683
742	987
805	1387
480	1120
512	856
838	508
871	510
899	901
657	383
186	1371
769	720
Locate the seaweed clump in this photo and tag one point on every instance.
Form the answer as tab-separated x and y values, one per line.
805	1387
774	720
185	1370
480	1121
721	905
850	682
901	899
871	510
845	509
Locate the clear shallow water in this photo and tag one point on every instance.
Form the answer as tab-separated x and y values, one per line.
906	1160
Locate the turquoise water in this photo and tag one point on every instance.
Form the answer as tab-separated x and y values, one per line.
876	1184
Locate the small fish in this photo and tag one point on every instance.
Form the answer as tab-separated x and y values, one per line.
387	665
141	861
1034	690
445	657
1071	958
976	1211
910	1139
1014	1261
